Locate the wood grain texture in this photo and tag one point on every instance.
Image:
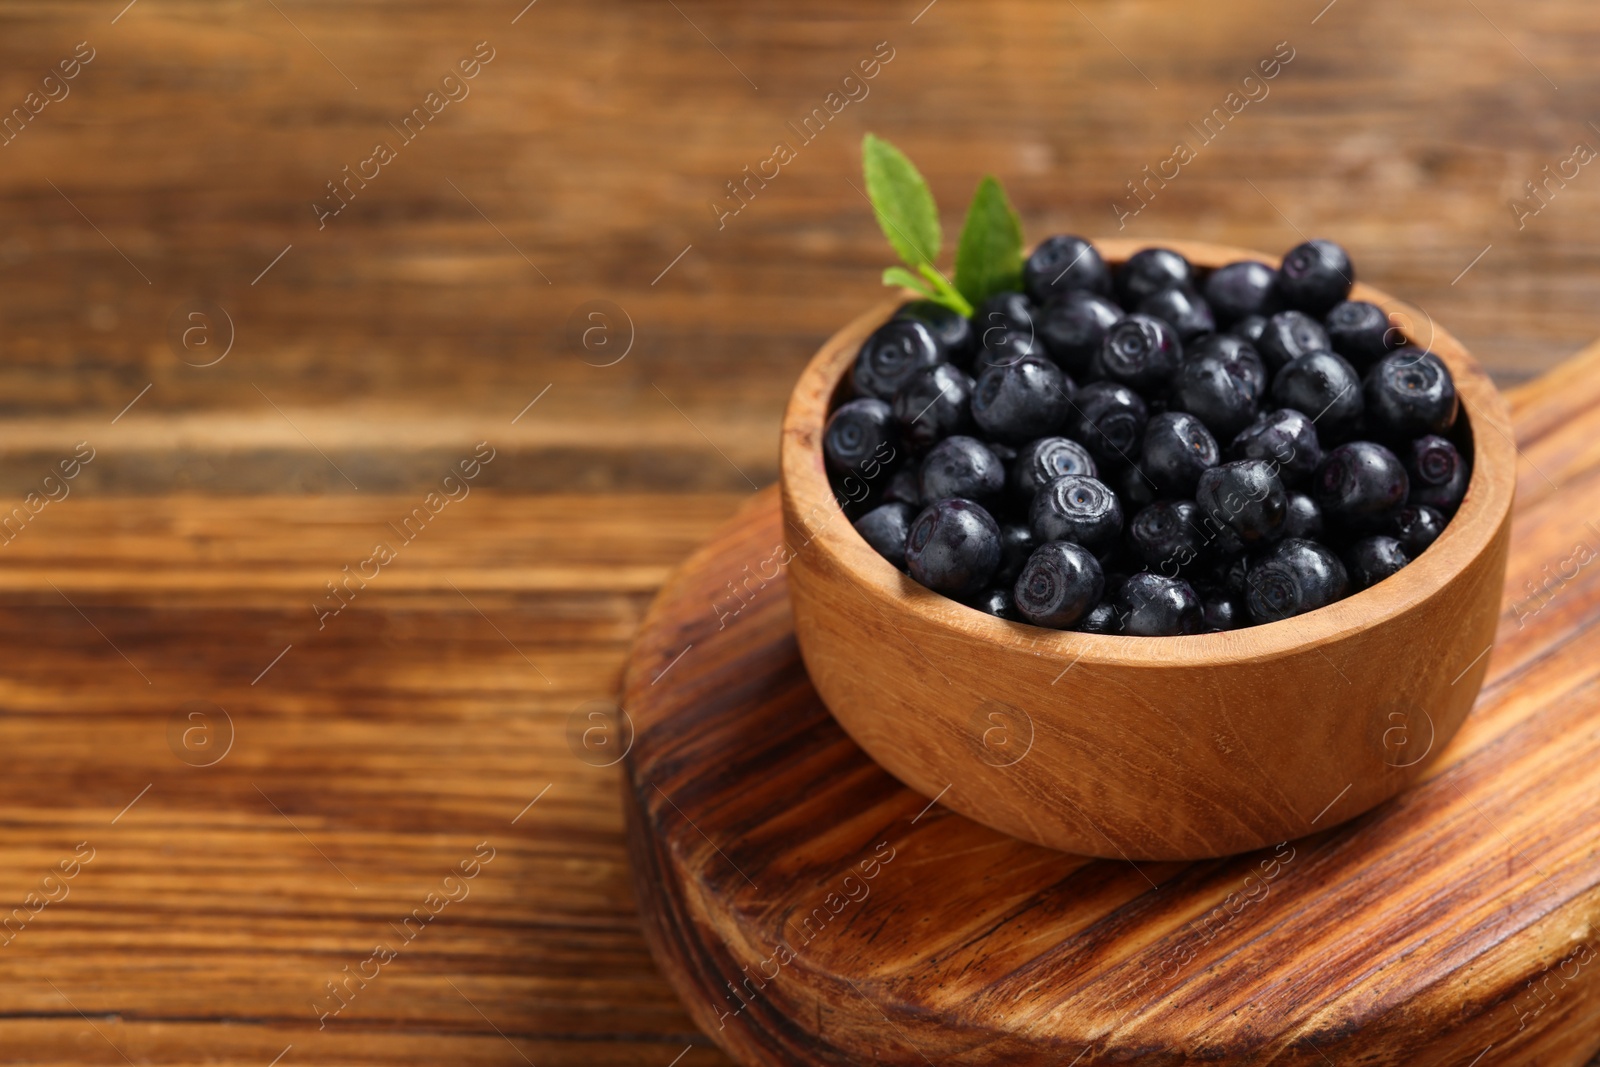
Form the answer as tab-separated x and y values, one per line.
382	748
1125	747
1458	919
596	142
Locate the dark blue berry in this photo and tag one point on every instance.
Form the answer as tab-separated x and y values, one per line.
1141	352
954	548
1245	496
962	467
1302	517
1100	619
1315	276
1286	438
1059	584
891	355
997	602
1237	355
1022	401
905	487
1408	393
1006	452
1360	332
935	402
1216	390
885	528
1150	271
853	494
1003	347
1167	535
1153	605
1416	526
1109	419
1005	311
1293	577
1076	508
1225	542
1177	447
1251	328
1438	473
1016	545
1062	264
859	432
1324	386
1360	485
1240	290
1289	335
1181	308
1372	559
1074	328
1133	486
1221	611
1102	472
951	330
1042	461
1231	574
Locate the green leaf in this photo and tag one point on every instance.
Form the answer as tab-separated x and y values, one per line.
901	200
904	279
989	259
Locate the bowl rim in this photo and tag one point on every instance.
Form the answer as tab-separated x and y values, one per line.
1482	516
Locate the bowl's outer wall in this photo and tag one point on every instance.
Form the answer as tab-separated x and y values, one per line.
1149	748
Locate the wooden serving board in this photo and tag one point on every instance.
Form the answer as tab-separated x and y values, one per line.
811	910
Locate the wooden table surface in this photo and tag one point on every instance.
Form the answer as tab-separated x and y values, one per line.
174	596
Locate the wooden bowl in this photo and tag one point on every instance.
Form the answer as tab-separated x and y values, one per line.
1149	748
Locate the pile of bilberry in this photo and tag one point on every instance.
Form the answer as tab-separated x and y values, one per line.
1152	450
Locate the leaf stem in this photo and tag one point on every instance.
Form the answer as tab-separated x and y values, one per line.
945	293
